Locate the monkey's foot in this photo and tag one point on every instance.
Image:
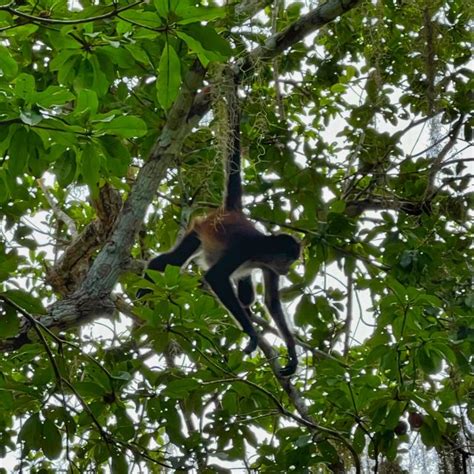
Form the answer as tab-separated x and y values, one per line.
252	345
289	369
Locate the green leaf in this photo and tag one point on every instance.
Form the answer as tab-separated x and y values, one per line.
8	66
337	207
119	464
51	442
99	80
90	165
53	95
126	127
4	191
196	47
31	432
25	86
89	389
25	301
162	8
359	440
338	88
101	452
87	102
213	44
397	288
9	323
138	53
192	14
305	311
125	426
181	388
18	152
139	17
169	78
65	168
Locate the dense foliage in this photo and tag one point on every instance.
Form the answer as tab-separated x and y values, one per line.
353	140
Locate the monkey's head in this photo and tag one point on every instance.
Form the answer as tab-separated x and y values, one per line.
283	250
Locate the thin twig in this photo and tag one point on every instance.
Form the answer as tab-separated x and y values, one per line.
60	214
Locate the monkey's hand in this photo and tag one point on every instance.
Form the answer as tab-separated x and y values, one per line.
289	369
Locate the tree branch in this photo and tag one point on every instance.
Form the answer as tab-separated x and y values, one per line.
60	214
39	19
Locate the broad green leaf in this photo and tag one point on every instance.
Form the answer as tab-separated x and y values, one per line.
65	168
147	19
4	190
31	432
338	207
138	53
193	14
359	440
90	165
117	155
196	47
51	442
9	322
125	127
90	389
119	464
209	39
25	86
162	8
181	388
18	152
26	301
125	426
100	81
169	78
87	102
53	95
305	311
8	66
101	452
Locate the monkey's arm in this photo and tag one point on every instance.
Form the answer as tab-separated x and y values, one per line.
273	304
218	278
177	257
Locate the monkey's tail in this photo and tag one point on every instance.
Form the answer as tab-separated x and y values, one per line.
233	191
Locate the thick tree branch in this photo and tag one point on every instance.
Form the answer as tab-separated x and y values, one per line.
295	32
438	161
278	43
70	270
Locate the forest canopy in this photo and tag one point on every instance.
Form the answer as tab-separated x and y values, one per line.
355	127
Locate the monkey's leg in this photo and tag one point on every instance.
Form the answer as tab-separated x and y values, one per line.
218	278
177	257
272	302
246	292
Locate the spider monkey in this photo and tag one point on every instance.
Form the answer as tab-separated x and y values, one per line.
230	247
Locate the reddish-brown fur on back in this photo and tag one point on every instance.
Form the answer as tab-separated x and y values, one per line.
221	229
